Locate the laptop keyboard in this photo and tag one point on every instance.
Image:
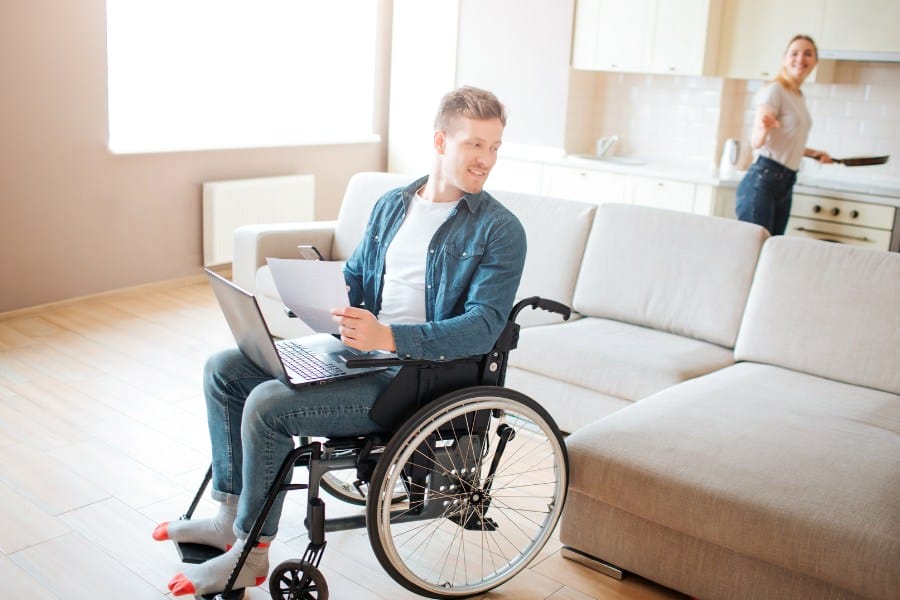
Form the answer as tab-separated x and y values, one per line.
304	362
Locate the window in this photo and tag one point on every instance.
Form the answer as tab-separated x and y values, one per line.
204	74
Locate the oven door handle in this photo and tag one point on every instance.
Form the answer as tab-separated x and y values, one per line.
860	238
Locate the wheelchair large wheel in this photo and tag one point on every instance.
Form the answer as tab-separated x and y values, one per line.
485	470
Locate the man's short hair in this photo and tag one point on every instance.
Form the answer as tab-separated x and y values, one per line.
469	102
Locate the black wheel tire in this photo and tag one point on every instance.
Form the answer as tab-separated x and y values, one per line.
297	580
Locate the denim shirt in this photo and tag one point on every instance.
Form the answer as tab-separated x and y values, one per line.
472	272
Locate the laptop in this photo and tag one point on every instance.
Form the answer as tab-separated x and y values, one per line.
312	359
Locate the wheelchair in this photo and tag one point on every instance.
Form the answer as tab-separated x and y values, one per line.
459	498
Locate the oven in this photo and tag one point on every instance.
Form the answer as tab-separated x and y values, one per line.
845	221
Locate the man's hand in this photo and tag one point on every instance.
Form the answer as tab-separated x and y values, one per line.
360	329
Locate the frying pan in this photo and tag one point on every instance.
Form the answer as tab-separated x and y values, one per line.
860	161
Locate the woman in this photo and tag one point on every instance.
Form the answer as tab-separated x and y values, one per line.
780	128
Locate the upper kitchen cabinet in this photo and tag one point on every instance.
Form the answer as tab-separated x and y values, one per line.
647	36
861	27
686	39
755	34
611	35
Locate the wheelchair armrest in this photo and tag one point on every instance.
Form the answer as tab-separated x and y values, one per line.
544	304
391	360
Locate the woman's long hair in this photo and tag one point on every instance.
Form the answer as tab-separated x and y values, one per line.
783	78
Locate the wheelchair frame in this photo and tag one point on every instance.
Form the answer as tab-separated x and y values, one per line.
436	456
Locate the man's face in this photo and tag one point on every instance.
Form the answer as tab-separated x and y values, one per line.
468	149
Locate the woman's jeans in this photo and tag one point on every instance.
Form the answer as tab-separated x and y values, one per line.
764	195
253	417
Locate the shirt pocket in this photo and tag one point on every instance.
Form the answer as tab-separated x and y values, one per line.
461	260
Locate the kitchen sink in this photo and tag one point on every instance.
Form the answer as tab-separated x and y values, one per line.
614	160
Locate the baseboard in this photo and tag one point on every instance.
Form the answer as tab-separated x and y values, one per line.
224	270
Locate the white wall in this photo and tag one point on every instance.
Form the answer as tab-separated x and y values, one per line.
519	49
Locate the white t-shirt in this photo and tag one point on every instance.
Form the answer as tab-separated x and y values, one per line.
403	297
785	144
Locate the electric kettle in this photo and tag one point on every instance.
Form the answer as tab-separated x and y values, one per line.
731	154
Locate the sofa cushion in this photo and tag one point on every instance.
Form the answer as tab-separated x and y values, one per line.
571	406
617	359
792	469
557	232
827	309
363	190
677	272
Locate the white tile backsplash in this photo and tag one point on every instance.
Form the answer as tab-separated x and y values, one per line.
657	115
689	117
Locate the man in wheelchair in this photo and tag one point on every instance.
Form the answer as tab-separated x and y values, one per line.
433	278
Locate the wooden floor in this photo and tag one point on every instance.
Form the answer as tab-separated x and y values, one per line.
103	434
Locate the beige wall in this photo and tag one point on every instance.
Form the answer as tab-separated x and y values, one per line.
77	220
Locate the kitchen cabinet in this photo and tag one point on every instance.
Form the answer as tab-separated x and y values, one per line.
850	25
613	36
662	193
704	199
584	185
650	36
686	37
724	202
599	187
755	34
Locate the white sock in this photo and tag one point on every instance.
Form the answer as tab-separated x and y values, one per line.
217	531
211	576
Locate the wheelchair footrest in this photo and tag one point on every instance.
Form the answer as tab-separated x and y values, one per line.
196	553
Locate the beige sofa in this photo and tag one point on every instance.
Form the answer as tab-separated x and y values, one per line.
778	476
733	398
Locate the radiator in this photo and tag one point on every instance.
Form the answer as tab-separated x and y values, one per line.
228	205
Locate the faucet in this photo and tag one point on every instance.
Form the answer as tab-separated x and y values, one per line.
605	144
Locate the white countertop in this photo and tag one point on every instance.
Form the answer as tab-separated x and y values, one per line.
835	182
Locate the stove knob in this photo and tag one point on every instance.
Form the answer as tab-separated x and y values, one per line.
835	211
854	214
817	208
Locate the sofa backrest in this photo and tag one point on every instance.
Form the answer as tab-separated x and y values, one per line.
673	271
363	190
557	231
830	310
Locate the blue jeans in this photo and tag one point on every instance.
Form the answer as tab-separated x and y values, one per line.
764	195
253	417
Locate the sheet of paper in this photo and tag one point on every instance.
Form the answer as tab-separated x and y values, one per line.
311	288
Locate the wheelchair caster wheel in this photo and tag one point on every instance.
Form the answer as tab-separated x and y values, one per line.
297	580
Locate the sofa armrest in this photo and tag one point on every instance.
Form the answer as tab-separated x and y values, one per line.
253	243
